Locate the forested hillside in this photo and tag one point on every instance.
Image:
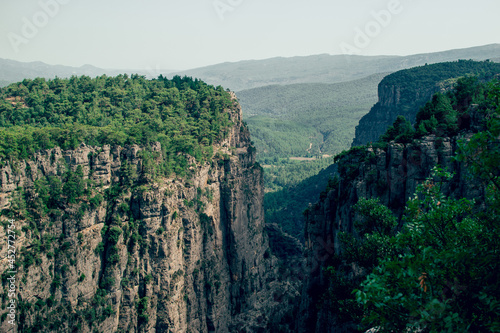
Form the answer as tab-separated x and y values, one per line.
287	205
306	119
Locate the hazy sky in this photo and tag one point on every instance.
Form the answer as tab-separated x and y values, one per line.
175	34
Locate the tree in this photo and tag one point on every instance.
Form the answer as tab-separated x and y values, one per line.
375	227
437	116
74	185
400	131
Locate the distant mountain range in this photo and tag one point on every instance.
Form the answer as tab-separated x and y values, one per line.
14	71
249	74
325	68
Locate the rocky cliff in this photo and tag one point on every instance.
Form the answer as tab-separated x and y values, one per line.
139	253
390	174
405	92
383	114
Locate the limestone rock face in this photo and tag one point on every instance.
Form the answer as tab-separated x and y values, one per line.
391	175
389	107
198	261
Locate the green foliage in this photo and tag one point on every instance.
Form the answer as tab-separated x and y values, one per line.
348	162
29	259
377	218
114	234
445	73
205	219
100	248
446	114
437	116
446	258
482	152
401	131
113	255
339	297
96	201
74	185
375	230
123	208
283	173
107	282
282	138
98	311
183	114
447	253
142	310
56	283
410	89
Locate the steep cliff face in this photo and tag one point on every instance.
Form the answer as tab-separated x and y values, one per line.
390	106
390	174
162	255
405	92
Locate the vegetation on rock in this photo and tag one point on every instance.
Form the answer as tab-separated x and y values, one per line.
436	270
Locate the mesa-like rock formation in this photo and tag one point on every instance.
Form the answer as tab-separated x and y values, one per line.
164	255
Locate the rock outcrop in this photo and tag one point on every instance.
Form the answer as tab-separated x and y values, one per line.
165	255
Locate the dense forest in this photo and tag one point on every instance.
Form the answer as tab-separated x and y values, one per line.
184	115
416	77
434	269
445	115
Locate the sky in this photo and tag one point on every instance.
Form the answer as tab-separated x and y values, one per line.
178	35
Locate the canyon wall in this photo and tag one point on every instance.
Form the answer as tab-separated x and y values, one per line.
139	253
